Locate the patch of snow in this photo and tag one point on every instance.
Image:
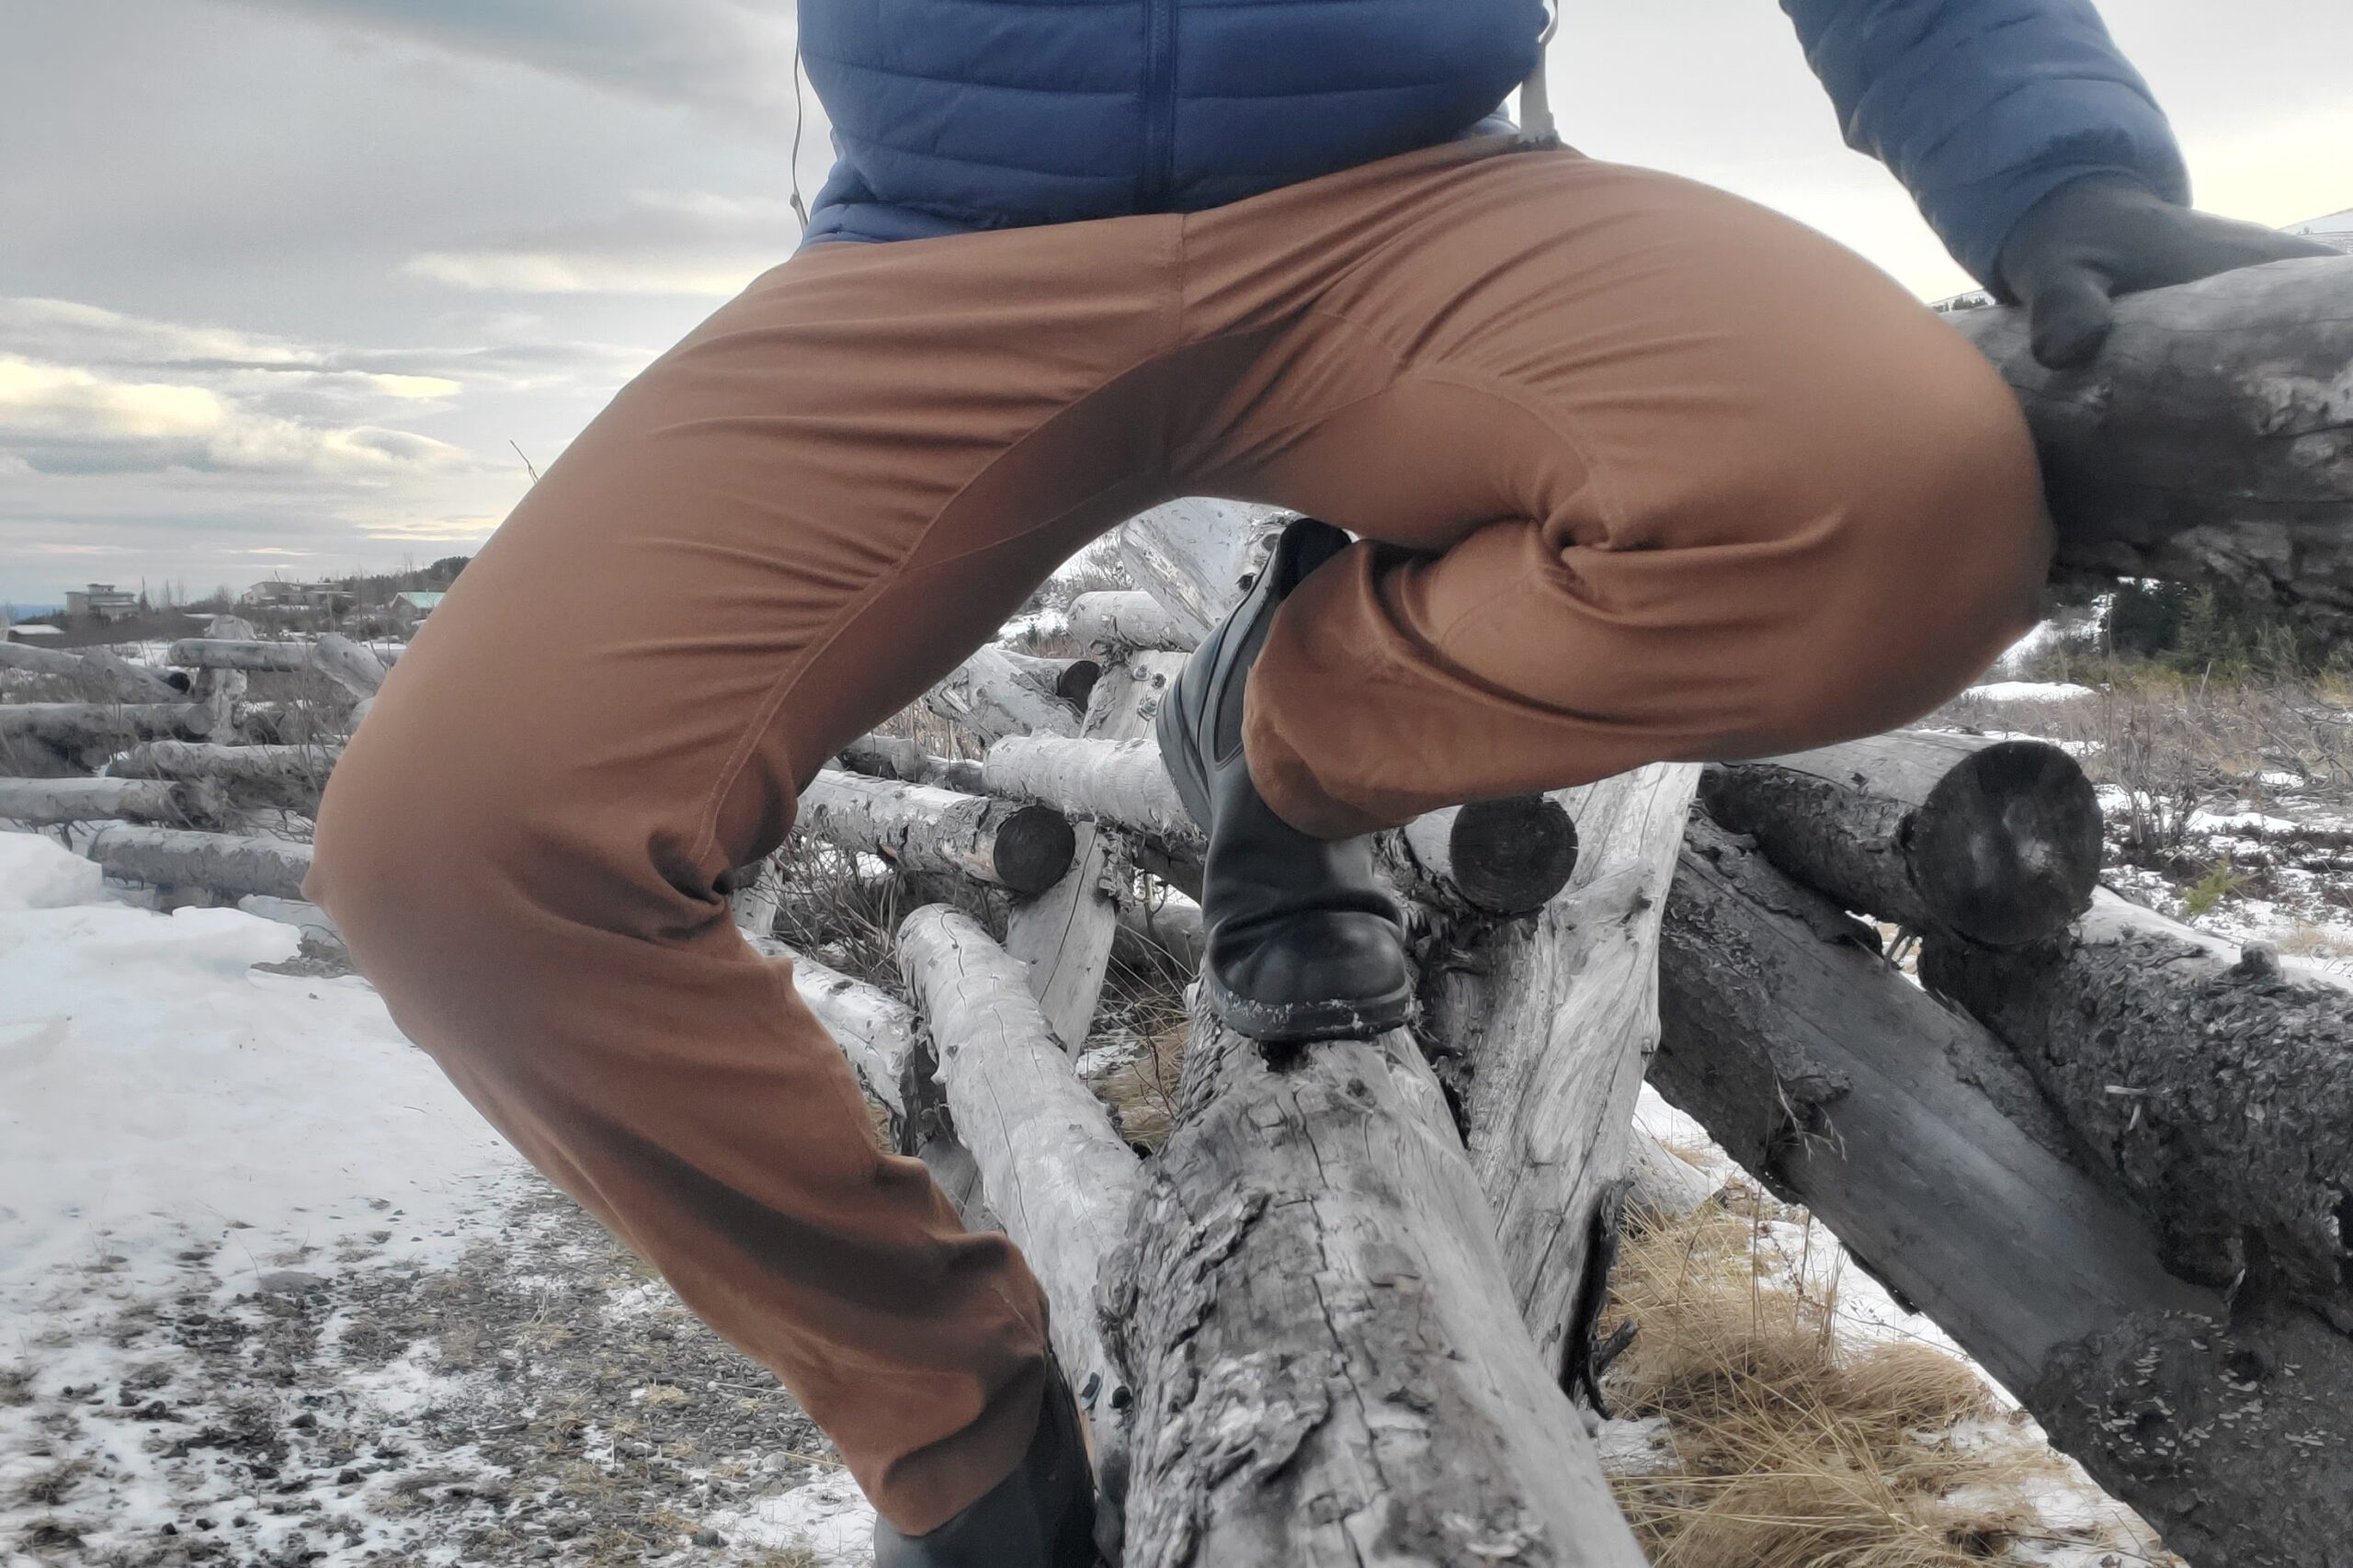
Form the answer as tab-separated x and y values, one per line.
2030	691
826	1516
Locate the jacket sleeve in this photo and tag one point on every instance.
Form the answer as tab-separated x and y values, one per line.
1982	108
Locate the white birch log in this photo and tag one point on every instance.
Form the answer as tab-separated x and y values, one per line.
989	696
1330	1368
1507	857
225	865
1116	623
44	802
1196	556
1162	928
354	668
1024	848
129	681
220	654
1056	1170
81	724
896	756
286	776
1120	782
1069	680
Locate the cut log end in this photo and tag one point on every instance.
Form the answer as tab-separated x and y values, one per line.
1034	847
1511	856
2006	848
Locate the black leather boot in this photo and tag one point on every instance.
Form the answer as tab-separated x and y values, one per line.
1304	942
1043	1516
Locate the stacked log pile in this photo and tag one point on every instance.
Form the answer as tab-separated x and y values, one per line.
1344	1314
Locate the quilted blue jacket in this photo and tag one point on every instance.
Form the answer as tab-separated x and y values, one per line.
953	115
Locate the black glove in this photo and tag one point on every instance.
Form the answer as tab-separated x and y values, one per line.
2105	235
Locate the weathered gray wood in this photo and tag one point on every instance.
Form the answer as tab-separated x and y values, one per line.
1120	782
1507	857
1054	1168
1064	936
129	681
989	696
1025	848
1330	1368
1997	841
1552	1021
1918	1137
286	776
220	654
2214	1083
1163	928
2209	439
79	724
896	756
1116	623
1071	680
879	1033
1661	1187
354	668
1196	556
218	863
44	802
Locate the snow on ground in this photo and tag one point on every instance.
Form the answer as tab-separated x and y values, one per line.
271	1293
2030	691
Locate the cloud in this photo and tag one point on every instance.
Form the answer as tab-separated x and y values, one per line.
435	530
732	57
663	243
66	419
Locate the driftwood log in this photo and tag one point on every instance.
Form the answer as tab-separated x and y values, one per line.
133	683
989	695
2209	441
896	756
1997	841
1025	848
1196	556
43	802
1056	1171
76	725
2213	1082
1329	1366
1918	1138
217	863
1119	621
286	776
1071	680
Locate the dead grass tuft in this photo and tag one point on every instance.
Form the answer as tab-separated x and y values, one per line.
1793	1448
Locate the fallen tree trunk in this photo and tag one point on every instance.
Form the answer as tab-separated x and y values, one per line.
896	756
128	680
220	654
1117	622
288	777
1918	1137
1997	841
44	802
1328	1364
81	724
1551	1022
1196	556
1507	857
2213	1082
2209	441
1054	1167
1071	680
989	696
1163	931
354	668
220	864
1024	848
1120	782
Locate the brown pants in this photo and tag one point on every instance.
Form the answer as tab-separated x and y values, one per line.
1653	474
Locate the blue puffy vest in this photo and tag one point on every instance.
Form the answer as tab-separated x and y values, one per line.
954	115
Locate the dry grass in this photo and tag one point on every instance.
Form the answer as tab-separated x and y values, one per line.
1792	1449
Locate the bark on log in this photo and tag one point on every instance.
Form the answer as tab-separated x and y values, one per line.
2209	439
1054	1168
1025	848
1918	1139
354	668
129	681
220	654
989	696
1329	1366
82	724
1120	782
880	1034
287	777
1071	680
2213	1081
1552	1021
1064	936
217	863
896	756
1196	556
44	802
1116	623
1161	929
1997	841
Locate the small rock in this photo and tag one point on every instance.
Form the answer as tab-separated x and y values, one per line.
292	1282
709	1537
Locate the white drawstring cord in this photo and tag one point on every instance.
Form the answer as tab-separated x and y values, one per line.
1536	127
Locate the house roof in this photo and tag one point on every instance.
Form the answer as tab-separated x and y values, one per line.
27	633
421	600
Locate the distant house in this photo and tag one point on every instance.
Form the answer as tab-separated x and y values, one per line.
103	600
411	607
276	593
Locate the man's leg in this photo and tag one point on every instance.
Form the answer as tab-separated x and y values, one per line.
778	536
1656	474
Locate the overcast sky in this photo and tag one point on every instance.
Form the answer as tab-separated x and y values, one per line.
285	284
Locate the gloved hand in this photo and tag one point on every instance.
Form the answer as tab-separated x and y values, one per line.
2105	235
